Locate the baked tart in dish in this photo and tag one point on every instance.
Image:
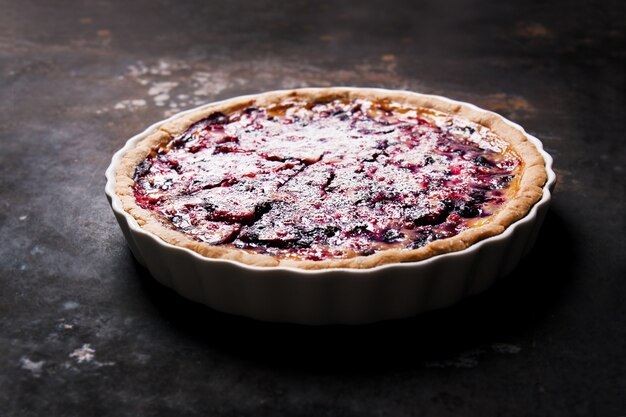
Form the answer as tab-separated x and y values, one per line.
331	179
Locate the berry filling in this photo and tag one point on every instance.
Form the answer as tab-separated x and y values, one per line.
328	179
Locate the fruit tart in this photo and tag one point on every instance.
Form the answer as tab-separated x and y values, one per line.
330	178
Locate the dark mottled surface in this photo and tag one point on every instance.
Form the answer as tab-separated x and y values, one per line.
78	78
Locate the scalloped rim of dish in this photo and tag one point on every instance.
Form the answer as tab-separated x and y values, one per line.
116	204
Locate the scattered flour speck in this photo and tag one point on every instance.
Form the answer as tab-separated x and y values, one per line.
172	84
129	104
36	250
70	305
161	99
163	87
35	367
83	354
211	83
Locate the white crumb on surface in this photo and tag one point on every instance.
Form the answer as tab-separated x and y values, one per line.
83	354
161	91
100	364
71	305
130	104
37	250
159	88
209	83
34	367
197	82
22	218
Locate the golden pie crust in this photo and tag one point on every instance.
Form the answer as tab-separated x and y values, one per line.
531	179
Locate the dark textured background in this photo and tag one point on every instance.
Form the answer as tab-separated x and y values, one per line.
85	331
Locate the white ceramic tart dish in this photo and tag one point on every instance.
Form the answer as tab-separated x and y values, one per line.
330	206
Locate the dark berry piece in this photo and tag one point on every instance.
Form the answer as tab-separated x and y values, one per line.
392	235
504	181
256	235
356	108
331	231
306	238
468	210
248	235
182	140
209	207
142	169
448	205
421	217
225	148
341	115
428	219
477	197
262	208
443	233
326	187
482	161
382	144
227	139
358	230
217	118
421	239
